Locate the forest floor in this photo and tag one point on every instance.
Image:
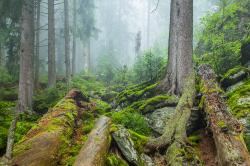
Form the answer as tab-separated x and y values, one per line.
138	111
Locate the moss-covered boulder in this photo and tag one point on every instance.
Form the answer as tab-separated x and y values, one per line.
135	93
126	145
239	100
130	144
159	119
234	76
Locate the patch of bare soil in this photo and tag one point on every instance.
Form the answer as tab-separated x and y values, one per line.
207	149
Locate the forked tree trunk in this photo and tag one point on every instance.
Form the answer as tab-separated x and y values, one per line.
51	45
94	151
226	130
180	46
67	40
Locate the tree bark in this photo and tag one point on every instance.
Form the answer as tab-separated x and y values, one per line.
1	55
26	55
37	53
74	39
87	56
67	40
148	23
25	92
94	151
180	46
226	130
42	144
51	45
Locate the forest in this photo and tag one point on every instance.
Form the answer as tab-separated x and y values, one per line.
124	82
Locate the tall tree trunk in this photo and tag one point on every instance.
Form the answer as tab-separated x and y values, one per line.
67	40
37	55
89	55
51	46
74	39
180	46
25	92
148	23
1	55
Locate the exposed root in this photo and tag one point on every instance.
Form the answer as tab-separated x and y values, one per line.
176	133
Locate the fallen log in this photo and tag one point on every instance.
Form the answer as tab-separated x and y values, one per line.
94	151
226	130
41	145
175	133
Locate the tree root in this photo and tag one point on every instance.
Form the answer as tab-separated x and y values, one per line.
176	133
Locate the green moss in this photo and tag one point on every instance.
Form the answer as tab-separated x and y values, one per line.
66	104
101	106
234	71
113	128
222	124
194	139
134	93
139	140
113	160
151	102
20	148
88	122
236	97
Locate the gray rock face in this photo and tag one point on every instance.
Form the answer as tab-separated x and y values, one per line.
158	120
126	145
147	160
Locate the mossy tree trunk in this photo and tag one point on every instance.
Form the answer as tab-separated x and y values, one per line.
226	130
94	152
44	143
175	134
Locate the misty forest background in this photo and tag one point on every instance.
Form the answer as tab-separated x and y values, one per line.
116	52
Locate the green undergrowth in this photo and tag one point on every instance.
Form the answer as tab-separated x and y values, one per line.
47	98
25	123
101	106
87	83
131	120
114	160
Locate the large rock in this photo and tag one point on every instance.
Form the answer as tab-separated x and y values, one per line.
234	76
126	145
159	119
147	160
